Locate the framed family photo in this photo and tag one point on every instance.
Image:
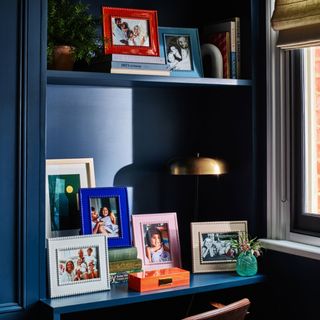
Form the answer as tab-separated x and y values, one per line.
64	177
130	31
156	237
181	49
105	211
211	245
77	264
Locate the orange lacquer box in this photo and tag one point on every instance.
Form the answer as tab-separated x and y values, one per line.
158	279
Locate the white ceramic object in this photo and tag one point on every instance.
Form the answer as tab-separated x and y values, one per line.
216	61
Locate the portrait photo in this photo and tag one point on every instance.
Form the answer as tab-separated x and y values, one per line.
211	245
217	246
178	52
77	264
157	244
104	216
181	49
104	210
130	32
156	237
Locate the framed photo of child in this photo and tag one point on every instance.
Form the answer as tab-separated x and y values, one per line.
77	264
181	49
104	211
156	237
130	31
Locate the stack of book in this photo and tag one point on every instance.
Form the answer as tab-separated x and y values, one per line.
226	36
136	64
123	261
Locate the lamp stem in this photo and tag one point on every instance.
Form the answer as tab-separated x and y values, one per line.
196	201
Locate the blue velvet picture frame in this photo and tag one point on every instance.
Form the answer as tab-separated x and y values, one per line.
114	202
181	49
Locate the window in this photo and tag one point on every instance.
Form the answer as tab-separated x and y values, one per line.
293	154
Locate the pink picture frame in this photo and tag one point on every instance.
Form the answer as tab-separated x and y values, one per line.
156	237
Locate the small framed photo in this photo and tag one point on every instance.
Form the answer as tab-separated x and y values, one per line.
156	237
211	247
77	264
64	177
181	49
105	211
130	31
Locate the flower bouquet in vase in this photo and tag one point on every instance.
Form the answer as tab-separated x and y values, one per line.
246	251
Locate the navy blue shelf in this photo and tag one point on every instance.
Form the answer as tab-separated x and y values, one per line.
120	295
125	80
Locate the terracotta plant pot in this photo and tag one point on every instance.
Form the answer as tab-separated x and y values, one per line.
63	58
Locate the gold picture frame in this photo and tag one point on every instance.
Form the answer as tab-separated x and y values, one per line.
211	251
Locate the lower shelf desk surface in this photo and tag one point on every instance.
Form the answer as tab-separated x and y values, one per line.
120	295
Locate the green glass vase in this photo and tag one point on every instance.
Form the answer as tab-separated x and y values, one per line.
247	264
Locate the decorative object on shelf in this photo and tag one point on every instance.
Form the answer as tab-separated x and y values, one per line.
197	166
246	251
212	61
230	48
211	245
130	31
105	210
71	25
181	49
77	265
64	177
158	279
156	237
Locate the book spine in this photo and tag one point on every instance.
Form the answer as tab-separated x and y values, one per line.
138	59
122	276
140	71
117	254
238	46
137	66
233	53
124	265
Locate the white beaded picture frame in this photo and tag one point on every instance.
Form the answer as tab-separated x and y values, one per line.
77	265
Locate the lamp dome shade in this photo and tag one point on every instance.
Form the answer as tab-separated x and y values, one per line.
197	166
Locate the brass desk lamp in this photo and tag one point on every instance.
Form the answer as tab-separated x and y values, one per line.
197	166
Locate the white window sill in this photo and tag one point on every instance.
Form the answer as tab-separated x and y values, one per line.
291	247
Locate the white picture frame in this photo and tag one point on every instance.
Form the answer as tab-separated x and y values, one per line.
68	275
63	179
211	251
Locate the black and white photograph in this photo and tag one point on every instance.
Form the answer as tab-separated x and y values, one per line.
216	247
130	32
178	52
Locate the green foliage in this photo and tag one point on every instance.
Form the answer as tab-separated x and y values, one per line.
70	23
246	244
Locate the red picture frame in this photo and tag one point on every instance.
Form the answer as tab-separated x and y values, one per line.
130	31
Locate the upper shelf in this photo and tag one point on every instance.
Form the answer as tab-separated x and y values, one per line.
125	80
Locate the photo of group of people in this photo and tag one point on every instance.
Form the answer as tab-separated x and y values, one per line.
104	216
130	32
157	246
178	52
77	265
216	247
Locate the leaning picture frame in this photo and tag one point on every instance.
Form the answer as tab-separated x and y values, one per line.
161	228
77	264
130	31
105	210
64	177
181	49
211	247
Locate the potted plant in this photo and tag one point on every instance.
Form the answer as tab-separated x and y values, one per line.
72	33
246	251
